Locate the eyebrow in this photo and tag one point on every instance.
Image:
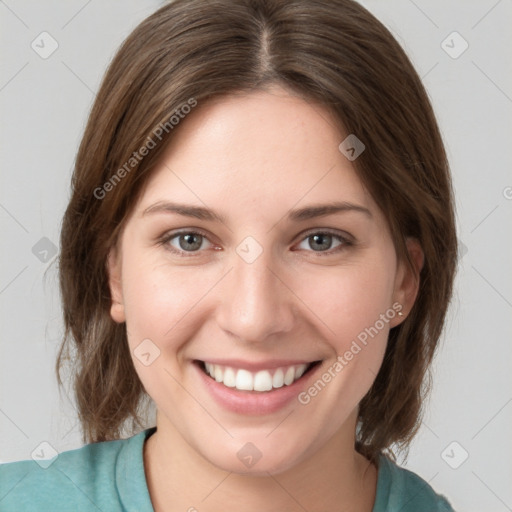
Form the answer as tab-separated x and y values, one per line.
301	214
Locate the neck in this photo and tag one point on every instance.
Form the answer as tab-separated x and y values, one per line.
335	477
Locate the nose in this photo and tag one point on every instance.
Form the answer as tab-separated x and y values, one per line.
256	304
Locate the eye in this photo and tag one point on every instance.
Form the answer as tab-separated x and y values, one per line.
321	241
185	241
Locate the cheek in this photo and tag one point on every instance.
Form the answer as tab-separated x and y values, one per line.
158	302
161	300
354	305
350	299
154	300
357	338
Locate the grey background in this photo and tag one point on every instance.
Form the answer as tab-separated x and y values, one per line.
44	104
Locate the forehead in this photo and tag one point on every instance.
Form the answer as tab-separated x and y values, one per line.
262	150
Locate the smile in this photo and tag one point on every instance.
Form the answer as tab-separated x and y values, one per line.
259	381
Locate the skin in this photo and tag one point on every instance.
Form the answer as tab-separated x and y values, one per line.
253	158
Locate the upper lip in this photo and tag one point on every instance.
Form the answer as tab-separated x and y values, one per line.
255	366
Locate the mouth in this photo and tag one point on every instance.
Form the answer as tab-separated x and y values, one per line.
261	381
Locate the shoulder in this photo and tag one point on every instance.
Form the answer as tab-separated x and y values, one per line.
87	478
401	489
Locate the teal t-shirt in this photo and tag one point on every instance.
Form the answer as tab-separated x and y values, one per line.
109	477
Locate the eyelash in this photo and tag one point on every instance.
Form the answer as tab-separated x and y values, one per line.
164	241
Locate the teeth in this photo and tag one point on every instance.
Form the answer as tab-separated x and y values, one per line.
289	375
299	371
244	380
262	380
278	379
229	378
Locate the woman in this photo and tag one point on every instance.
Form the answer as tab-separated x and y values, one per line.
261	240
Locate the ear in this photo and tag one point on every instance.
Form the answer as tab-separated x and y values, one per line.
407	282
116	291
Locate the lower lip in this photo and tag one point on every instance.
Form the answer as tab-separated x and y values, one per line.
254	402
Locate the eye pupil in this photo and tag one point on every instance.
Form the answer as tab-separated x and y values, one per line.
189	237
319	238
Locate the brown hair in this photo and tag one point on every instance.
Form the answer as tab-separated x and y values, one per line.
333	53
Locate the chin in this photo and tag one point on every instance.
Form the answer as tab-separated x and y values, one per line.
249	460
262	468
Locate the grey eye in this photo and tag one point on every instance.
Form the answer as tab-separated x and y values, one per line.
188	241
320	242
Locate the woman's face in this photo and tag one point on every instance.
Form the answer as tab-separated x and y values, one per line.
256	254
